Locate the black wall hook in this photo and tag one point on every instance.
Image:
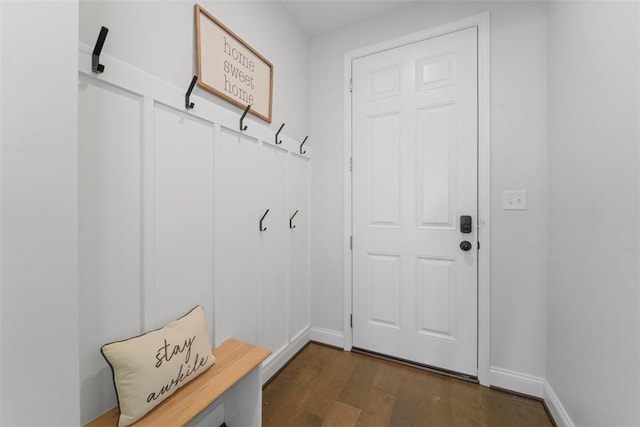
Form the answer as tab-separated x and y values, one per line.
277	133
246	110
96	66
291	220
262	219
305	140
187	103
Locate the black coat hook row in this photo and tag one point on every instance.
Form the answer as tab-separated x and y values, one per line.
96	66
291	226
187	103
262	219
246	110
278	133
305	140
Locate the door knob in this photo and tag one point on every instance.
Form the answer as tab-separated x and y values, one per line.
465	245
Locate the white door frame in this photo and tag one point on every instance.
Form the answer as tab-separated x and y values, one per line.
482	22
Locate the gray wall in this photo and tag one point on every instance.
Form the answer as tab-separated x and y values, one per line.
593	354
39	266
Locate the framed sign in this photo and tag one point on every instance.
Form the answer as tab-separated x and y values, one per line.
231	69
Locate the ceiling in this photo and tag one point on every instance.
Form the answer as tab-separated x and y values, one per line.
317	17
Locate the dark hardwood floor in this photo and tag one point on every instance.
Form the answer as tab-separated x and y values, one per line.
323	386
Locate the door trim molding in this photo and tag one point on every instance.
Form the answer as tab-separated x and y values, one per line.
482	22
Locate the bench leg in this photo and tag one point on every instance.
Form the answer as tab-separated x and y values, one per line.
243	402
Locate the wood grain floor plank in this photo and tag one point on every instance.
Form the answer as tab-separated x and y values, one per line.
410	400
388	376
378	411
308	365
341	415
439	397
324	386
307	419
356	388
281	403
467	406
330	385
507	409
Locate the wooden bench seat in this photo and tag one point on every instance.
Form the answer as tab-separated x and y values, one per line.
234	360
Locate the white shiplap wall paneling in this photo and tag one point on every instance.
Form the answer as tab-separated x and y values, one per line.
273	242
299	282
169	206
109	200
238	292
183	268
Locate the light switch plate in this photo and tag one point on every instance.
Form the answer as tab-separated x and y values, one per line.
514	200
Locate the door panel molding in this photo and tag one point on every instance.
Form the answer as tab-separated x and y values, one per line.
482	23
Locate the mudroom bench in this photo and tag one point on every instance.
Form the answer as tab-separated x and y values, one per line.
230	392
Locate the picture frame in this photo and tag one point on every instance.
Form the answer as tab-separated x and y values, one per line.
230	68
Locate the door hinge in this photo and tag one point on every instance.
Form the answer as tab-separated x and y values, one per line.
351	321
351	85
478	245
351	164
351	242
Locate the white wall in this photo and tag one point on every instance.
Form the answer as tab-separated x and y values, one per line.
518	125
593	350
39	268
159	37
0	208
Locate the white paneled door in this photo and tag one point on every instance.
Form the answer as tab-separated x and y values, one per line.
415	174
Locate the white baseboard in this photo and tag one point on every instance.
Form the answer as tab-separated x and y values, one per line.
327	336
558	412
280	357
516	381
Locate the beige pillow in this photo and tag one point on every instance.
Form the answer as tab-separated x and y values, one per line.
149	368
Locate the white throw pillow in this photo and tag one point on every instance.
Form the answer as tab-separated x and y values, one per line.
149	368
